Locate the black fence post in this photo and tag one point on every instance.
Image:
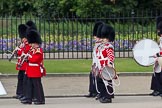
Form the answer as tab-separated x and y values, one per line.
132	15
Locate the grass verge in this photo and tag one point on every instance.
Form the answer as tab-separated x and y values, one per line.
77	66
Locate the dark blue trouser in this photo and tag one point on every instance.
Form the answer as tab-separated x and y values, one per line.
35	89
25	80
156	82
92	85
102	88
19	90
153	83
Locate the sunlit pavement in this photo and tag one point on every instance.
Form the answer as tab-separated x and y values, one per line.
69	91
82	102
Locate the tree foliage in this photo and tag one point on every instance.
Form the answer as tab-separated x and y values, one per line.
79	8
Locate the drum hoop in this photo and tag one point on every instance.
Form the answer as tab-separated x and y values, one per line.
134	55
112	77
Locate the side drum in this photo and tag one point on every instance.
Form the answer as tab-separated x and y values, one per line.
144	50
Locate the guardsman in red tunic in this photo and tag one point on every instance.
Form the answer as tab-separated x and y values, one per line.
92	82
35	69
31	26
23	49
106	58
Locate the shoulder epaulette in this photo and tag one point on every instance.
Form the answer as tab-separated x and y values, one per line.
109	46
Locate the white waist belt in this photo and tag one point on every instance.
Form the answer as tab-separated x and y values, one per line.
33	64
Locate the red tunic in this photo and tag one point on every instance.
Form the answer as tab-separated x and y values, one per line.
22	50
35	66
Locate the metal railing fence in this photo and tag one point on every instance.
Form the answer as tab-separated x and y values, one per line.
71	37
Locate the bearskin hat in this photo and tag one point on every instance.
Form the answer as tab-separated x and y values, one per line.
96	27
22	30
108	32
33	36
31	24
159	22
99	31
159	33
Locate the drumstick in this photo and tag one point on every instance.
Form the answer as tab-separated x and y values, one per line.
151	56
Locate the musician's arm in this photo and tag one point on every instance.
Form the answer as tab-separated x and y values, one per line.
27	48
109	53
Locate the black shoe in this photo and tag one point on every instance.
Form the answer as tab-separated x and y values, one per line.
39	103
160	94
26	102
112	96
18	96
156	93
91	95
105	100
23	98
98	96
34	100
152	93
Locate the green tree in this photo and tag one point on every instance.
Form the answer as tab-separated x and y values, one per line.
123	5
21	7
81	8
5	6
86	8
47	8
149	4
66	7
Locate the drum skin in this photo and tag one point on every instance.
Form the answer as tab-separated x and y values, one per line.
144	50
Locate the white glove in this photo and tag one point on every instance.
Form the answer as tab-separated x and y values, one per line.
17	48
28	55
22	45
